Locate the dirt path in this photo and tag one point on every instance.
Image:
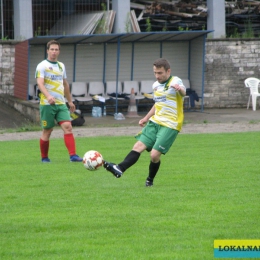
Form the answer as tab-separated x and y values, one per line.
132	130
208	121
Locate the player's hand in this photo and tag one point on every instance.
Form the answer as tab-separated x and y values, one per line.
179	89
176	87
51	100
142	122
72	107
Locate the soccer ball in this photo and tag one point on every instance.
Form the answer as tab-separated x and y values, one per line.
92	160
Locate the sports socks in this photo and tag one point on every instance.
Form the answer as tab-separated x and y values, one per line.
70	143
129	160
153	169
44	147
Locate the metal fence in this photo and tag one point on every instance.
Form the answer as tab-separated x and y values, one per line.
47	13
7	13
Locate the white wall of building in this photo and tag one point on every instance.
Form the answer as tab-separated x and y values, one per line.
23	25
216	18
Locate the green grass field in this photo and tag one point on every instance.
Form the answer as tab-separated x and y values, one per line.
207	188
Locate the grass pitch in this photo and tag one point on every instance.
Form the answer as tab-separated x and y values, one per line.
207	188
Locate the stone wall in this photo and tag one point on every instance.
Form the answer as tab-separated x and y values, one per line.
7	51
28	109
228	63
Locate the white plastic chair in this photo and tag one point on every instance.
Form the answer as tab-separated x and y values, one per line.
79	93
129	84
252	84
97	88
110	91
111	88
33	94
186	103
146	88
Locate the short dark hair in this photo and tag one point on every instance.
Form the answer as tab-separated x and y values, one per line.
162	63
52	42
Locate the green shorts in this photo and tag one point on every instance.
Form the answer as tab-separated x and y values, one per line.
51	113
157	137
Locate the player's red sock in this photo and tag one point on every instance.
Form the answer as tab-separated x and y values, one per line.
44	147
70	143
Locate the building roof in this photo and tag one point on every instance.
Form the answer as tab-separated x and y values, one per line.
123	38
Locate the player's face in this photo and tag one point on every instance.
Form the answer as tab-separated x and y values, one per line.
161	74
53	52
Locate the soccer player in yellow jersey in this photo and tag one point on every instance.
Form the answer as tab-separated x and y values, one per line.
161	124
53	85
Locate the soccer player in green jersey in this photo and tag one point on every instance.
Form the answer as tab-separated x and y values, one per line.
161	125
53	85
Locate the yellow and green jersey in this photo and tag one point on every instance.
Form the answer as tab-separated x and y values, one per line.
53	74
168	104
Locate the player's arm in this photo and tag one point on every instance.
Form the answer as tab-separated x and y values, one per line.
68	95
143	121
44	91
67	90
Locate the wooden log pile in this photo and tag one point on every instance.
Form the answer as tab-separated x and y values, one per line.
241	15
